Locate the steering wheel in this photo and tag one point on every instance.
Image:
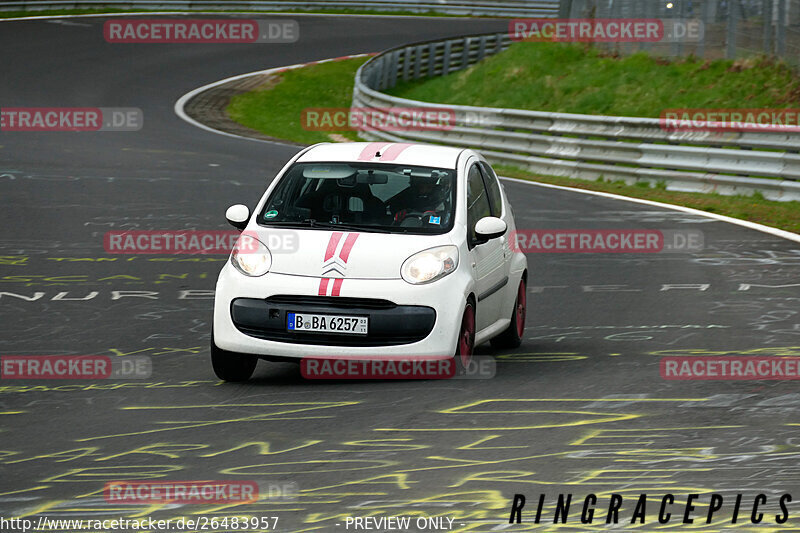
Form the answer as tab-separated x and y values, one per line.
412	219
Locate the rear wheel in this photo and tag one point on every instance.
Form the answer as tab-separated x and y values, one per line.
466	338
512	336
231	366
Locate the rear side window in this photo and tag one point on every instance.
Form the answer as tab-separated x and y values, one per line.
477	202
493	187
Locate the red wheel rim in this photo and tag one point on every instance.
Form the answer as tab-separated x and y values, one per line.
466	337
520	310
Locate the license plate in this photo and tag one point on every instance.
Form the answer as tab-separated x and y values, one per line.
348	325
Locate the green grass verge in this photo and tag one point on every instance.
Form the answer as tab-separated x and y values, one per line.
781	215
574	78
276	108
276	111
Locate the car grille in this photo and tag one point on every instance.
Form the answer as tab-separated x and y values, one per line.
339	302
389	324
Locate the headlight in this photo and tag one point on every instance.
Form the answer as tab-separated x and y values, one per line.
430	265
251	257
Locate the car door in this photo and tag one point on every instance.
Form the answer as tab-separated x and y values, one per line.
486	258
499	210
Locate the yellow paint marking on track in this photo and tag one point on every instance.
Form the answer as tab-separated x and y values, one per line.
113	473
20	491
260	417
272	471
464	463
231	405
462	408
395	445
642	433
606	419
473	446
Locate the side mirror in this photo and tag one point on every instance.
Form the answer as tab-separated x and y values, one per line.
238	215
489	228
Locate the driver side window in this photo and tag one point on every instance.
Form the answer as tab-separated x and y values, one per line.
477	203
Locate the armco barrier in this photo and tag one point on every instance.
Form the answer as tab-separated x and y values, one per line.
581	146
506	8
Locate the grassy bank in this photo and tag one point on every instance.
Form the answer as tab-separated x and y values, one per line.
276	108
573	78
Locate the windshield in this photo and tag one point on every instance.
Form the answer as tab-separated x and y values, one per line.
363	197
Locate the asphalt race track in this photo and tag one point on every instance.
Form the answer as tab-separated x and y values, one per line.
580	408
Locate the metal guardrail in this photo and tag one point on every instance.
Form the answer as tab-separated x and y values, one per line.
506	8
580	146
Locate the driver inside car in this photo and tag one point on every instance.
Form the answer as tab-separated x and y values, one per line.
421	202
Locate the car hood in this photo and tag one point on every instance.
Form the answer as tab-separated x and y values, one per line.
345	254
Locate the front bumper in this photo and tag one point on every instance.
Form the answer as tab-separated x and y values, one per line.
389	323
404	320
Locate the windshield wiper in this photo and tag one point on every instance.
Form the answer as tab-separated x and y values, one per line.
311	223
351	227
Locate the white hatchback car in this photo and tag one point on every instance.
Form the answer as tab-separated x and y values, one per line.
379	250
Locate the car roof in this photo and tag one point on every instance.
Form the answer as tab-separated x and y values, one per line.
426	155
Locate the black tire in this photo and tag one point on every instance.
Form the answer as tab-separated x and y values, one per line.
512	336
231	366
466	339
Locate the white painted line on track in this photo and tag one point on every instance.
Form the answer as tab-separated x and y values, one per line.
722	218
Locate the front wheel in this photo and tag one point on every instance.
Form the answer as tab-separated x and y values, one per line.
466	338
231	366
512	336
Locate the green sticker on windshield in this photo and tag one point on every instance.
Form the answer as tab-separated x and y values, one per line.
271	214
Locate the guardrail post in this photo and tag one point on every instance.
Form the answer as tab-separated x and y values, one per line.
465	53
432	59
498	43
448	45
393	66
418	61
386	68
481	48
406	63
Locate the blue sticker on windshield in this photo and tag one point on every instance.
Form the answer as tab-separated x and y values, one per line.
435	220
271	214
